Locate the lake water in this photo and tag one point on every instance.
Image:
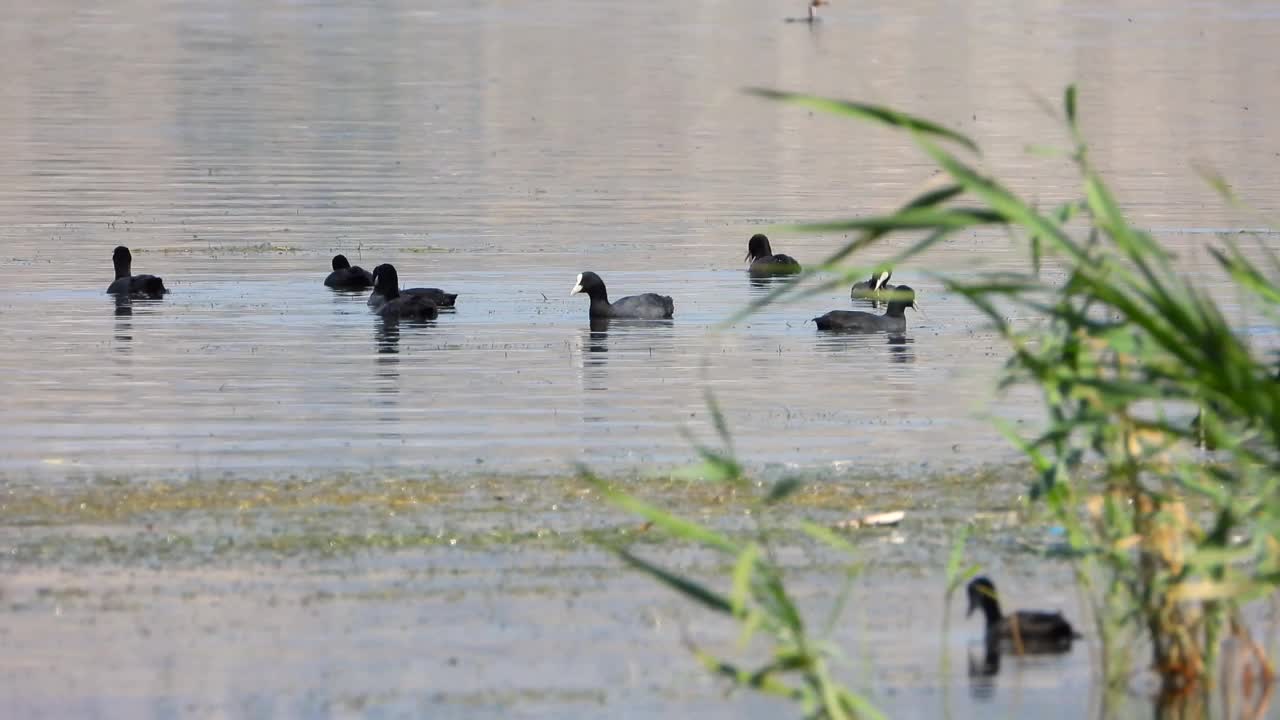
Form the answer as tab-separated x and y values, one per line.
497	150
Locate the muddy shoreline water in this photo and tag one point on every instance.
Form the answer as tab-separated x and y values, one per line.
476	597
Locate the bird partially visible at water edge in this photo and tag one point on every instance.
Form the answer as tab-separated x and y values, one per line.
764	262
649	306
126	283
893	320
347	277
1023	631
397	306
877	287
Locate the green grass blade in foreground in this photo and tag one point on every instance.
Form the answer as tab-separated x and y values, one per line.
688	588
763	680
910	219
742	576
677	526
864	111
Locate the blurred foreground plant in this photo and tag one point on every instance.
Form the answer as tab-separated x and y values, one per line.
799	666
1169	546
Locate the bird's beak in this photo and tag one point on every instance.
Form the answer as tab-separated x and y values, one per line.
576	289
880	282
915	306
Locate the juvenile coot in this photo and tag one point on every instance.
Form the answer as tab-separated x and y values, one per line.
436	296
142	286
396	306
346	277
649	306
1024	631
764	262
877	288
893	320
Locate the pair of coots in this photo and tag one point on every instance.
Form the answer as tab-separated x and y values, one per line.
387	299
765	263
348	277
127	284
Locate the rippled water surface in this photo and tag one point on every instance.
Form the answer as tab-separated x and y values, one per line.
497	150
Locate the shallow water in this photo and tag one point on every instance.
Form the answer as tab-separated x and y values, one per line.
496	150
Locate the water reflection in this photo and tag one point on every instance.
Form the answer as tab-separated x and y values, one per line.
760	284
901	349
388	341
983	668
595	358
123	323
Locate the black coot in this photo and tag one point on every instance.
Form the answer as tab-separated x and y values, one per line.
396	306
346	277
764	262
436	296
649	306
141	286
1024	631
877	288
893	320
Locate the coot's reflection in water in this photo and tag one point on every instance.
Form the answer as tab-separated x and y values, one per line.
901	349
984	665
124	323
388	341
763	284
619	356
898	349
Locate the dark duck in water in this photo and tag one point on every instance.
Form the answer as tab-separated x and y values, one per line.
436	296
126	284
876	288
764	262
1022	631
397	306
346	277
649	306
893	320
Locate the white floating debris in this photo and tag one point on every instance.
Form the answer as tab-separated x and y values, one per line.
884	519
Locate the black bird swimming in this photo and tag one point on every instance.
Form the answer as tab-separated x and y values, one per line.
397	306
764	262
1024	631
436	296
893	320
649	306
140	286
877	288
346	277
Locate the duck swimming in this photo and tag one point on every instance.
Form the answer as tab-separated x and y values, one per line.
140	286
346	277
876	288
397	306
649	306
436	296
893	320
1024	631
764	262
